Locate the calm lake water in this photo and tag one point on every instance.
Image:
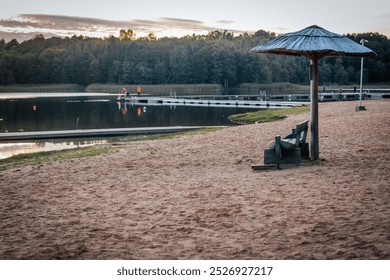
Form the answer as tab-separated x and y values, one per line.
58	113
90	112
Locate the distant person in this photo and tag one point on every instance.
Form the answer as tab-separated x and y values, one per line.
139	91
125	93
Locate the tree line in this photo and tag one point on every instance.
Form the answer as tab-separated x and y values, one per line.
218	57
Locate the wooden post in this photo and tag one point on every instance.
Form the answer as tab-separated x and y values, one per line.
314	141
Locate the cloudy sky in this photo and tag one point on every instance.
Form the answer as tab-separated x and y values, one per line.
22	19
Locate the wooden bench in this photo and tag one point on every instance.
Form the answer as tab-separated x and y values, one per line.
288	150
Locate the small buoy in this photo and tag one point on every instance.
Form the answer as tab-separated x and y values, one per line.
144	109
34	107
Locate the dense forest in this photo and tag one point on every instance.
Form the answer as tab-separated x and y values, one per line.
219	57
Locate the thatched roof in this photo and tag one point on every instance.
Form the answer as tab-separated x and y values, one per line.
314	41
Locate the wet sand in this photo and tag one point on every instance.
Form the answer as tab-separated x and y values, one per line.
196	197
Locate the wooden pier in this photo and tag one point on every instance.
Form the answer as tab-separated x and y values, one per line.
96	133
252	104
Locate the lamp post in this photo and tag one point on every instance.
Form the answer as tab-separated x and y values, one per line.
362	41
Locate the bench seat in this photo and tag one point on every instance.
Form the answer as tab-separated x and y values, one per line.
290	149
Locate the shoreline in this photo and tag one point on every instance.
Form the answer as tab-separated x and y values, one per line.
196	197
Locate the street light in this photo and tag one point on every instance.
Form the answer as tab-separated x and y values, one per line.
362	41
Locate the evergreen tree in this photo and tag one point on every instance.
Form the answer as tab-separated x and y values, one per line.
218	57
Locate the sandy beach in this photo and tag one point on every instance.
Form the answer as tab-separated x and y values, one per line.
196	197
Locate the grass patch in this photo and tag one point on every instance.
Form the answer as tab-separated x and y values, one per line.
50	156
269	115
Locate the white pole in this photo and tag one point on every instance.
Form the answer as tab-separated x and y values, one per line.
362	41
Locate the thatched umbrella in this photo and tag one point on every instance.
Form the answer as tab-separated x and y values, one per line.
314	43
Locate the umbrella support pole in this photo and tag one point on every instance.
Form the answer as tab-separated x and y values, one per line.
314	142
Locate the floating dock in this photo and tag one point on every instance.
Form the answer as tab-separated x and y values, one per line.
252	104
96	133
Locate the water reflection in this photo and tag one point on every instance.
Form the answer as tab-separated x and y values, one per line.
59	113
80	112
11	149
124	107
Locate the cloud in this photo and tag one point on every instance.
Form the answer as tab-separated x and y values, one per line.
225	21
183	24
23	36
61	24
280	29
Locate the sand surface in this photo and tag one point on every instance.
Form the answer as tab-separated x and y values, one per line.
196	197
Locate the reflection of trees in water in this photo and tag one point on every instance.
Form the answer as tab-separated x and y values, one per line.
59	114
75	143
55	114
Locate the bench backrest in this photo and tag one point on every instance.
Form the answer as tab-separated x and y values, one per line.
301	128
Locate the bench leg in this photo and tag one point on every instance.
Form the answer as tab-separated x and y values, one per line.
292	156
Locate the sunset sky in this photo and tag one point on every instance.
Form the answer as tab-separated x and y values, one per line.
22	19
